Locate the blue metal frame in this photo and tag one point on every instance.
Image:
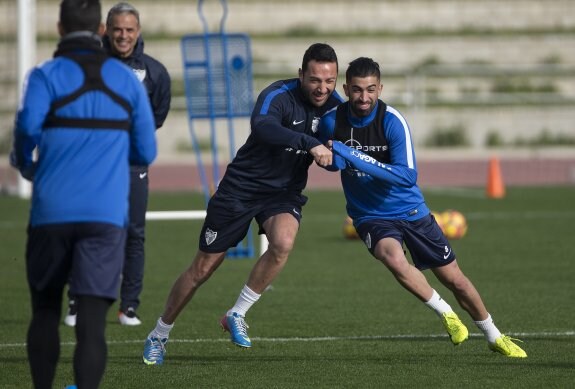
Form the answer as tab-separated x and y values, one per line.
215	111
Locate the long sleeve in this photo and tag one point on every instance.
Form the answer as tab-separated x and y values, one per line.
389	173
28	124
143	139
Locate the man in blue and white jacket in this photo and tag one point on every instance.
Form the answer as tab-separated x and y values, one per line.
88	117
373	148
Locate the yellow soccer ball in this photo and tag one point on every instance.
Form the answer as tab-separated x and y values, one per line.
453	224
438	218
349	231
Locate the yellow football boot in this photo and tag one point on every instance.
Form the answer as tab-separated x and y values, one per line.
504	345
455	328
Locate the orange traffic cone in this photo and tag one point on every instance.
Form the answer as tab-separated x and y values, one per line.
495	187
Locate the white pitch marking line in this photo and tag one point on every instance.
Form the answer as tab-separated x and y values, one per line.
322	338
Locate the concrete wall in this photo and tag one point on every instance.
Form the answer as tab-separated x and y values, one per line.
275	16
396	54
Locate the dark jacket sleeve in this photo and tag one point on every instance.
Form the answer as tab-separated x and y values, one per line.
160	94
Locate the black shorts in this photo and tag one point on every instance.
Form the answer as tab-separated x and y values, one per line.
428	247
228	218
89	256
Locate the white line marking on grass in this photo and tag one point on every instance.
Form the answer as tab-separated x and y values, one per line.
322	338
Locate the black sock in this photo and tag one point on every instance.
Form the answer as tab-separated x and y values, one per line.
91	350
43	339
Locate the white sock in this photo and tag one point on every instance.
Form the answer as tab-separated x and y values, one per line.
162	330
488	328
438	304
246	299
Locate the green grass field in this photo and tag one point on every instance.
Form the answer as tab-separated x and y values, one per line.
335	317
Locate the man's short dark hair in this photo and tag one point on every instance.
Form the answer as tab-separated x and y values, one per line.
362	67
80	15
121	8
320	52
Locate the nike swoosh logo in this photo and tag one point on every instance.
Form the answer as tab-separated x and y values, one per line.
295	123
447	255
143	175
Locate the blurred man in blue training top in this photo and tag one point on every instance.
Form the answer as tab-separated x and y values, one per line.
372	147
123	40
88	117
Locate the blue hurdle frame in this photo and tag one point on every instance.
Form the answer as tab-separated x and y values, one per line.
226	105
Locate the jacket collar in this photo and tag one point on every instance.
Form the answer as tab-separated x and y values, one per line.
77	41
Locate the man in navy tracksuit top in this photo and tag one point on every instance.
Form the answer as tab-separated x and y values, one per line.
123	40
373	148
264	181
88	118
